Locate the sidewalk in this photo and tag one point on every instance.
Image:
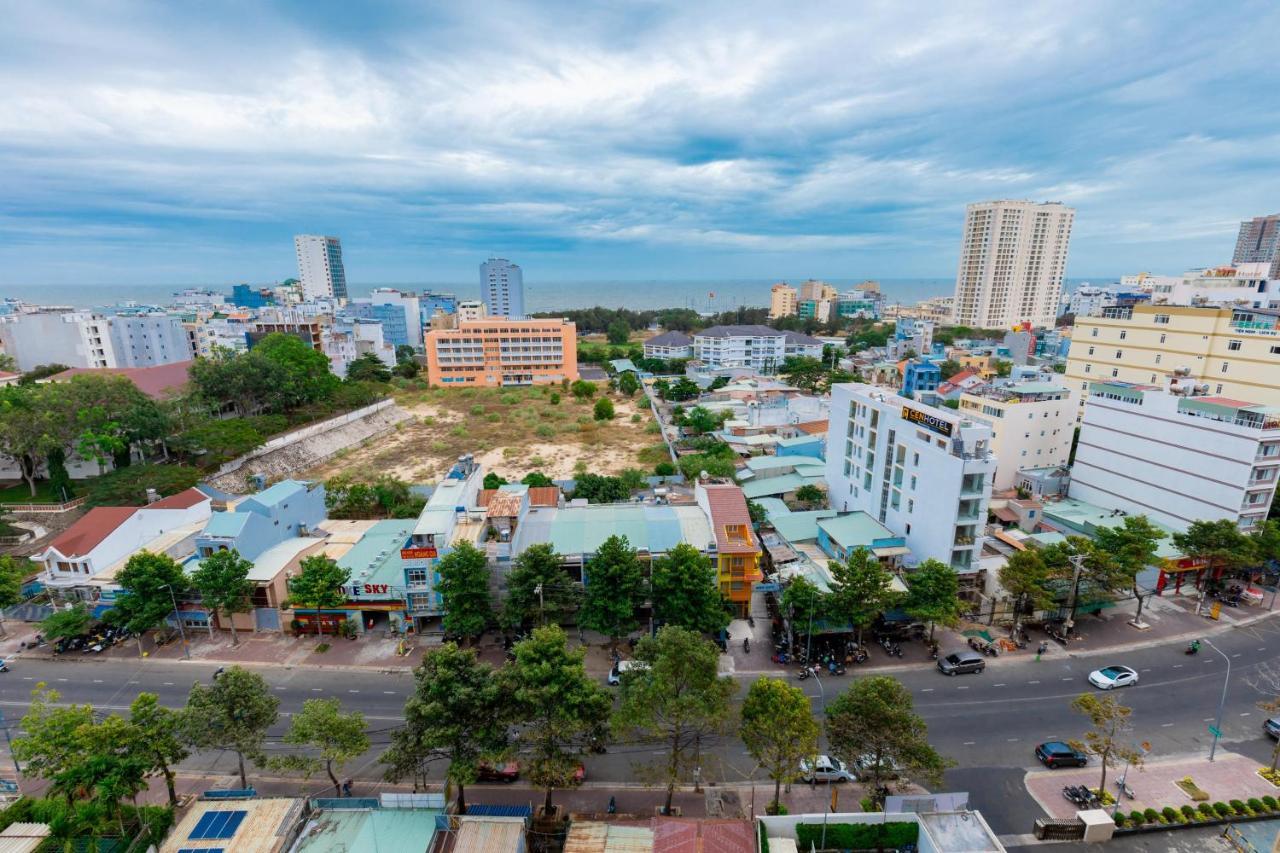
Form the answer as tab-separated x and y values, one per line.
1230	777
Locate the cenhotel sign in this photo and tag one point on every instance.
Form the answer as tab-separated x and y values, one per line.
932	422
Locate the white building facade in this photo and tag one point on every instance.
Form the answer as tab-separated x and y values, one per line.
320	267
1175	457
923	472
1032	424
758	348
73	338
149	339
1013	259
502	288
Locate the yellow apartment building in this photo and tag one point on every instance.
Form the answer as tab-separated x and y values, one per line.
782	301
1234	351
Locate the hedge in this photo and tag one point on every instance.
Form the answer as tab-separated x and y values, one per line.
857	836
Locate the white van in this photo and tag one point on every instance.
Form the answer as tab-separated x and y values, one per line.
615	674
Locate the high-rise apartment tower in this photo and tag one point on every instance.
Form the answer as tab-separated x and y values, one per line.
1259	243
502	288
320	266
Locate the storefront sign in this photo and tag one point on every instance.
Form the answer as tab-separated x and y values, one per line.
937	424
370	589
417	553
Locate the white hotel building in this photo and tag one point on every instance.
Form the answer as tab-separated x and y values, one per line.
923	472
759	348
1176	458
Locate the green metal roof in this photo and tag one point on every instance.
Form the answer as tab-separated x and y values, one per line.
856	528
759	488
373	829
376	557
1085	519
800	526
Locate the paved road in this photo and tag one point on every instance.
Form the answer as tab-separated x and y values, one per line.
988	723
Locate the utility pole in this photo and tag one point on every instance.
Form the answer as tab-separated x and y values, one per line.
1077	563
542	613
1222	703
186	652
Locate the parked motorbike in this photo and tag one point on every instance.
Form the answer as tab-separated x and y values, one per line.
4	667
808	671
1124	788
896	650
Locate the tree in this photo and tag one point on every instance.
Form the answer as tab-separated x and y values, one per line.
618	332
52	746
603	409
804	602
404	353
933	594
150	585
159	738
318	586
1109	737
1131	547
1026	578
779	731
810	494
493	481
582	389
861	589
303	372
949	368
682	389
558	707
12	574
222	578
8	363
215	441
686	591
337	737
66	622
367	367
407	369
700	420
232	713
1220	544
536	480
874	724
628	384
128	486
30	429
456	713
804	372
538	588
615	588
464	588
677	698
598	489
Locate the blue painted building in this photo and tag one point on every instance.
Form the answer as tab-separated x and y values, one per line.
289	508
244	296
838	537
430	302
920	375
395	325
802	445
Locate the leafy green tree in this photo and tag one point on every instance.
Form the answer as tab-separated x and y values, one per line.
1027	580
222	580
804	372
457	713
404	353
215	441
60	485
1131	547
874	724
318	586
604	410
30	429
304	372
150	585
701	421
493	481
615	589
949	368
600	490
664	469
633	480
537	479
804	602
557	705
618	332
539	590
933	594
128	486
628	384
52	746
337	737
682	389
861	589
367	367
8	363
810	494
66	622
159	738
582	389
1110	739
464	588
686	591
233	713
779	731
1219	543
407	369
677	698
12	574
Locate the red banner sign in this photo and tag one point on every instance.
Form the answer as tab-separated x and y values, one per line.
417	553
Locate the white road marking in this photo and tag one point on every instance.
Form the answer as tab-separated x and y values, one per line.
1148	669
1165	725
1246	713
279	687
26	678
927	690
388	693
1262	648
168	683
1208	719
1011	740
97	681
353	691
970	742
1033	682
62	679
1177	666
1068	678
962	688
998	685
316	689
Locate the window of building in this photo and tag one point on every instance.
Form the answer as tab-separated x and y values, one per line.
1119	353
1161	319
1275	350
1090	350
1094	331
1234	346
1219	391
1115	372
1086	368
1162	337
908	529
1158	358
416	577
1225	365
1123	334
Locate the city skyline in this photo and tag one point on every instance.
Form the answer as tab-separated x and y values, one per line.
189	145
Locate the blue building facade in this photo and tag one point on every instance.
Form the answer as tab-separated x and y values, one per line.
395	326
244	296
920	375
429	302
289	508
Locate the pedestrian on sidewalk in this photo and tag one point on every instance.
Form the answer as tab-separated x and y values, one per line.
1041	649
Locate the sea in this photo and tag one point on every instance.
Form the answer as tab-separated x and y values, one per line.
706	295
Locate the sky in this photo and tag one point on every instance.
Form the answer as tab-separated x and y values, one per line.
187	143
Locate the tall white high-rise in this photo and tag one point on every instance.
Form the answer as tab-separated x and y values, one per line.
1012	263
320	266
502	288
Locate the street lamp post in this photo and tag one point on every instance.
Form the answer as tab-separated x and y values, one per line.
1222	703
186	652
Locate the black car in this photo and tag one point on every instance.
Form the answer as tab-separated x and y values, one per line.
1055	753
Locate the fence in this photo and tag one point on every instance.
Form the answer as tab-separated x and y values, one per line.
297	435
46	508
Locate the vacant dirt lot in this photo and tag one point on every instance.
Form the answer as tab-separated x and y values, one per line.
511	431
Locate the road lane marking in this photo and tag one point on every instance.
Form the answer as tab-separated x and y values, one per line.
1033	682
1165	725
970	742
62	679
1262	648
1011	740
927	690
97	681
26	678
1177	666
962	688
1068	678
1236	655
167	683
1246	713
135	681
998	685
279	687
1148	669
388	693
1208	719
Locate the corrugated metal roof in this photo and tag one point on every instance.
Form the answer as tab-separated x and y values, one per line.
489	835
581	530
23	837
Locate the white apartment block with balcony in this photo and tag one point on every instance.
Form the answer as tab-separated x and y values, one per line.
759	348
923	472
58	336
1177	457
1032	423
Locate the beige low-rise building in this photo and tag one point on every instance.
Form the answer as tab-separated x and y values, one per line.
500	352
1233	351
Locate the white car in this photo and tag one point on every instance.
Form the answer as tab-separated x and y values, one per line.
825	769
1111	677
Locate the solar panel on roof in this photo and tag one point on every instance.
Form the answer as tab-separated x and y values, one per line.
217	824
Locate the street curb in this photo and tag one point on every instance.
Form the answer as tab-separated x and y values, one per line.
408	670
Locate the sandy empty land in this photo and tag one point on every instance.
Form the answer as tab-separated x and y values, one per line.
511	431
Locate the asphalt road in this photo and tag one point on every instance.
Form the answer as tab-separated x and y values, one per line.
988	723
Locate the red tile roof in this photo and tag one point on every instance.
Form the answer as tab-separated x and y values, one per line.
484	496
813	427
87	533
504	505
728	506
182	500
159	382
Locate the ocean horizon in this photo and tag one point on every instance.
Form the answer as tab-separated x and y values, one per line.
550	295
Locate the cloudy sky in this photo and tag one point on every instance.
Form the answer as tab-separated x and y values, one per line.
187	143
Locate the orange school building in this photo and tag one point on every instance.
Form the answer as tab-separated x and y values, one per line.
497	352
